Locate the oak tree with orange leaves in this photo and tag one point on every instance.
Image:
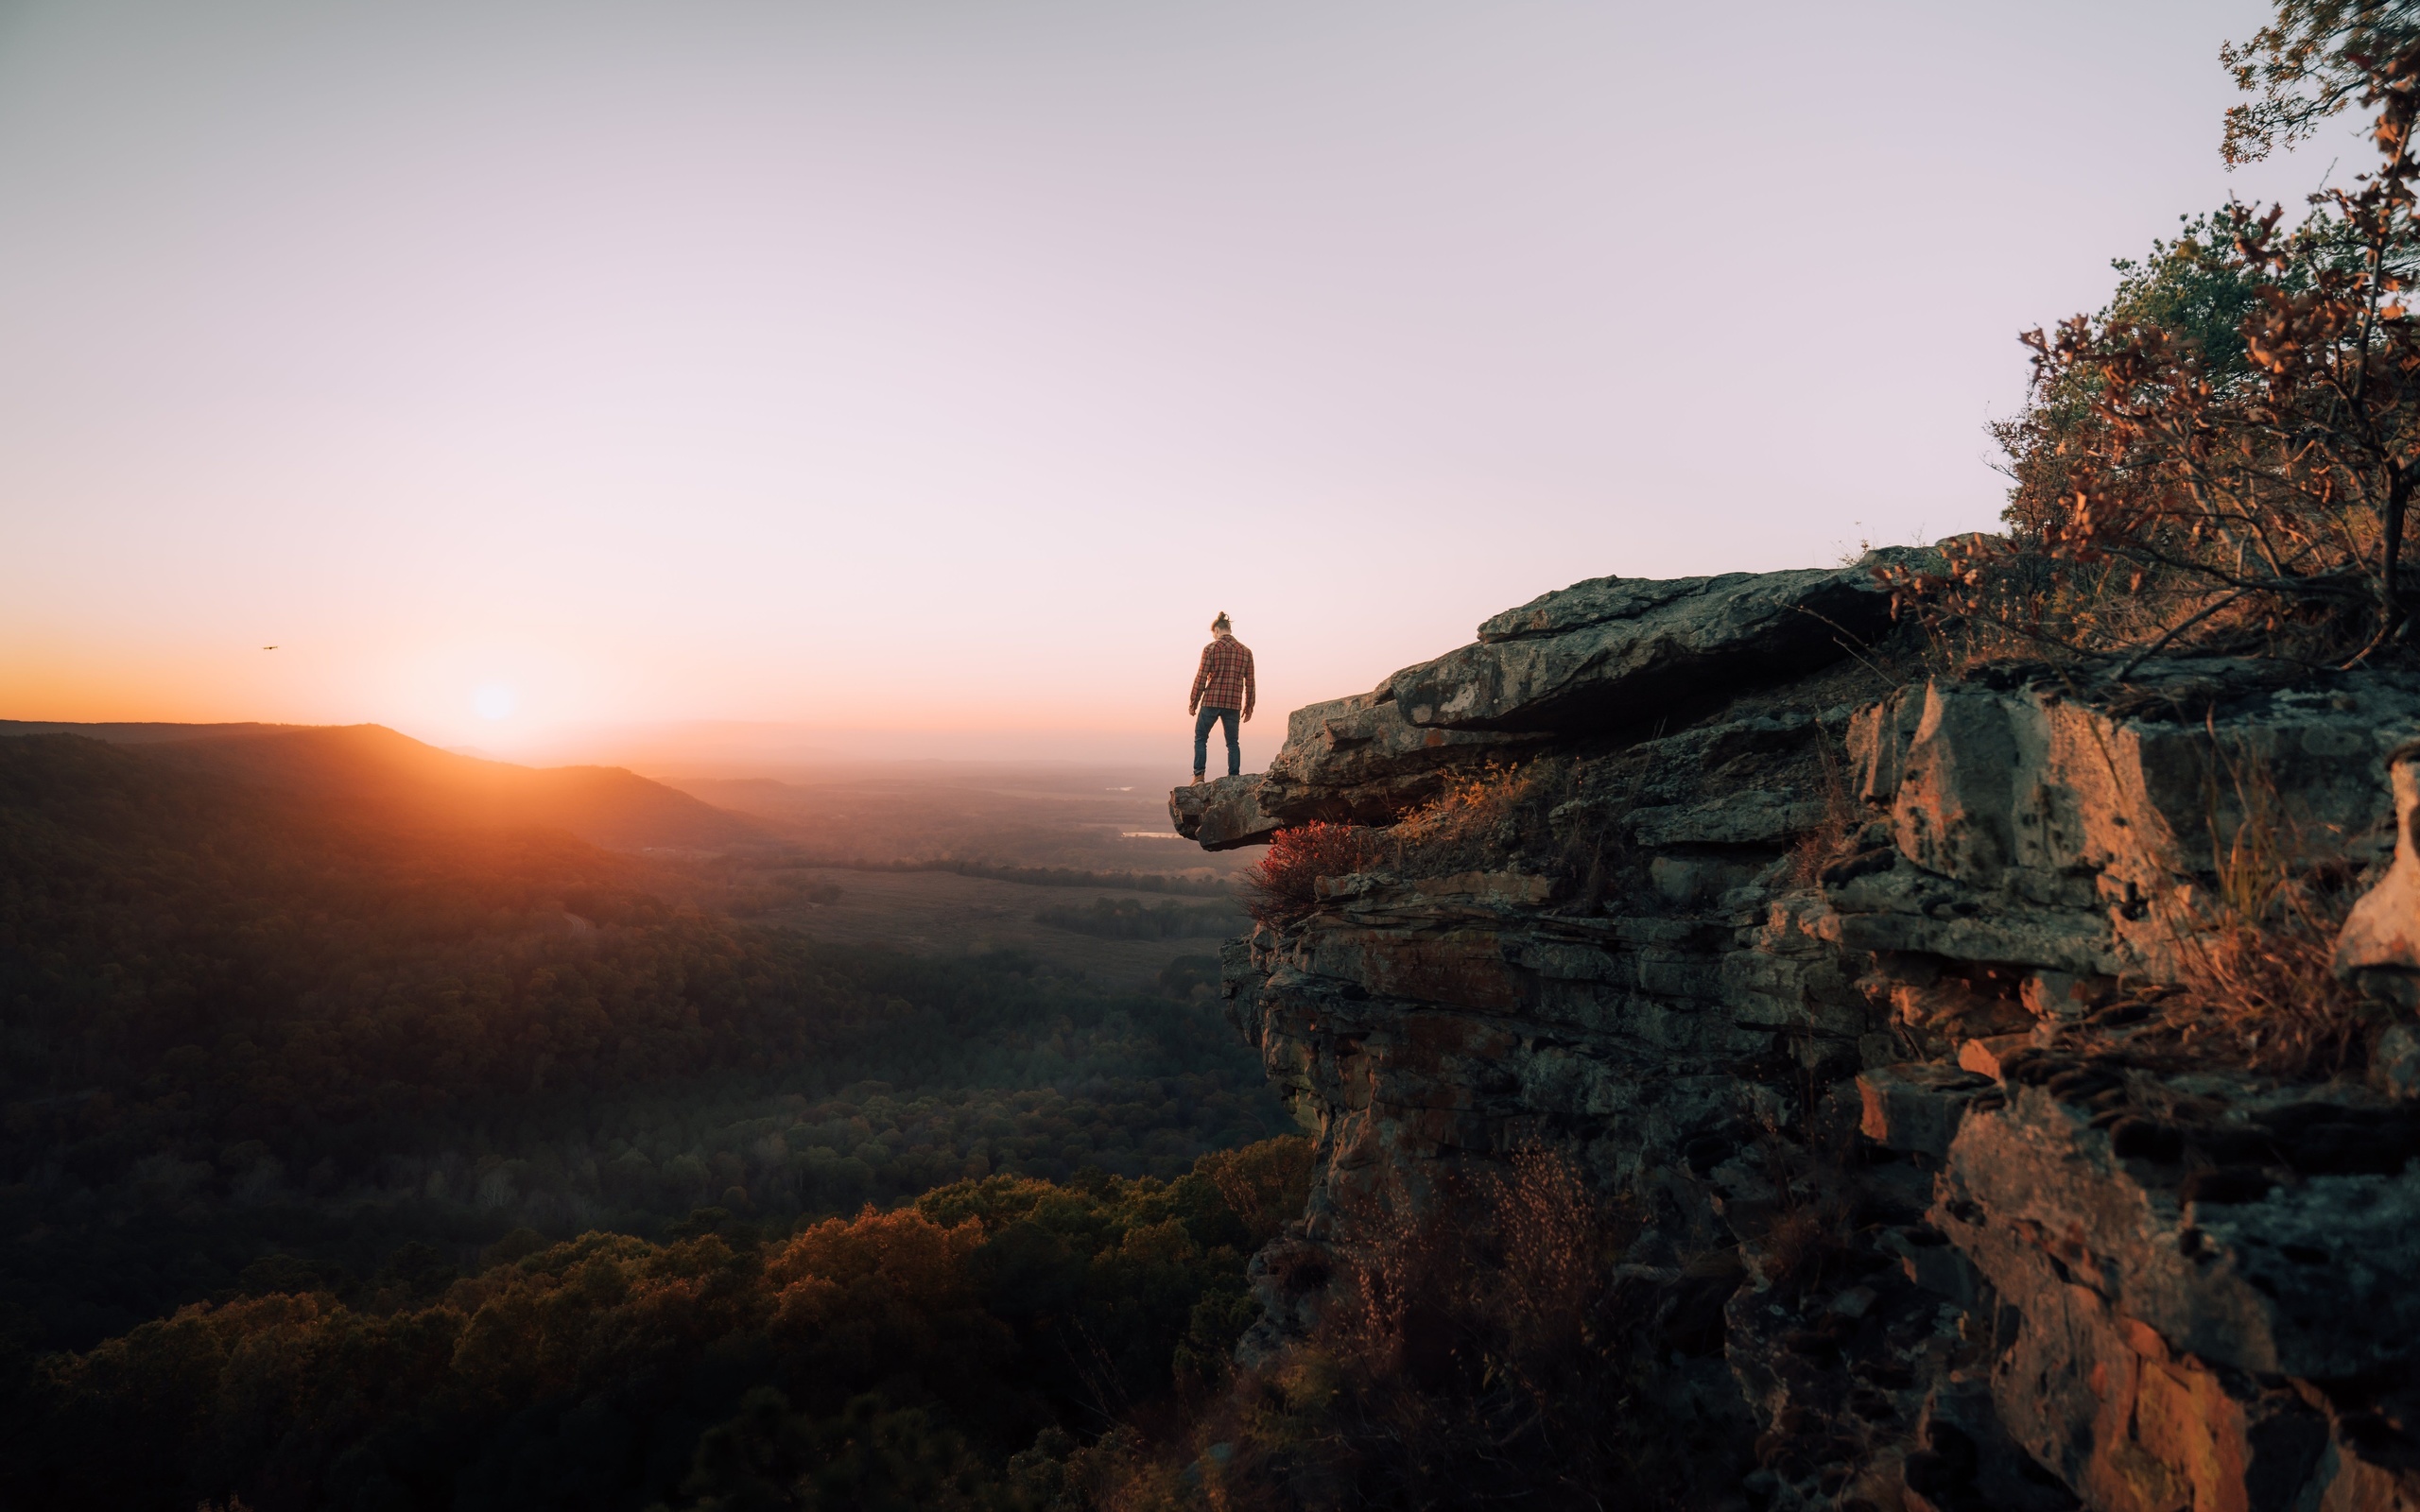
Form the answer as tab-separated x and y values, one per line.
2225	458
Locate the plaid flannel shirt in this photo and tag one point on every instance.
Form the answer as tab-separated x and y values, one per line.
1224	680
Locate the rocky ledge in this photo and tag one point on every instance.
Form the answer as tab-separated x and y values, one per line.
1766	930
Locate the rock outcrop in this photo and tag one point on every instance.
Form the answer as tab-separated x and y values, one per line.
1755	920
2381	936
1222	814
1624	651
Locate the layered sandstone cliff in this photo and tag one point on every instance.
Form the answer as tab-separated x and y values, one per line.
1752	915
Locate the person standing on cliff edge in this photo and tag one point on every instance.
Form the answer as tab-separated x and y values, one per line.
1222	692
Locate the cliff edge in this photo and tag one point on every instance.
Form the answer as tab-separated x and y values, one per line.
1912	1017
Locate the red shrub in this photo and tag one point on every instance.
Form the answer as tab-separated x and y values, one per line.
1281	889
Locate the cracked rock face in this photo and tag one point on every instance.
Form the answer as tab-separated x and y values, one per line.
2174	1342
1819	945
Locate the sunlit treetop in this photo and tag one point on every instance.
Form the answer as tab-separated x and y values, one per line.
2311	62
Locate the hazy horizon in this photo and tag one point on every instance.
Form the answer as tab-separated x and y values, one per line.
567	381
709	749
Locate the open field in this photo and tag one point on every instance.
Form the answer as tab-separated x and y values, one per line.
939	913
1097	818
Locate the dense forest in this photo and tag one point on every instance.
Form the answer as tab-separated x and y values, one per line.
1132	919
352	1075
934	1356
1061	876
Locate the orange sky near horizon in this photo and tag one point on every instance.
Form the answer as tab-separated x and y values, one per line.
918	379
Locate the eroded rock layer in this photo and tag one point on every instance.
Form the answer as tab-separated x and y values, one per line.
1773	934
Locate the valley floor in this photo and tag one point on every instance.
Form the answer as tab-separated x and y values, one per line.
941	913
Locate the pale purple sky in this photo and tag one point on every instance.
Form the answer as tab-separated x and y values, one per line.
925	375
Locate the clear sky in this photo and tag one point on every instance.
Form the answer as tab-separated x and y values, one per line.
923	375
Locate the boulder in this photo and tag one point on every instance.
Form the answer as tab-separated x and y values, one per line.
1608	651
2383	932
1222	815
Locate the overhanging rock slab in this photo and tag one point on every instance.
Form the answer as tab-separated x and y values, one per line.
1600	651
1222	815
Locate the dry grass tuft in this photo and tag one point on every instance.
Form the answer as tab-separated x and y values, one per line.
1475	804
1808	1243
1818	846
2267	994
1476	819
1487	819
2260	987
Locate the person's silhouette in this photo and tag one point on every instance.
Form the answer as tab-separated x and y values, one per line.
1222	694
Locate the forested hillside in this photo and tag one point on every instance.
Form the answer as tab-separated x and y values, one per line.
275	1039
372	772
933	1357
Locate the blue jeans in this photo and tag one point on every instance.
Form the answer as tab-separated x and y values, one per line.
1201	724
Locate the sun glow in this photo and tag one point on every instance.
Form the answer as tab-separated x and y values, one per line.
494	701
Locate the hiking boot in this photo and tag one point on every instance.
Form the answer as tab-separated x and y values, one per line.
1196	778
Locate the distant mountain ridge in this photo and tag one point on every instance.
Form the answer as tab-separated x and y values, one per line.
379	772
146	732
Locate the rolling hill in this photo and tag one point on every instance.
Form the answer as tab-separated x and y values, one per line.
373	773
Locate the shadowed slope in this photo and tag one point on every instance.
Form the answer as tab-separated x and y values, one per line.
378	775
